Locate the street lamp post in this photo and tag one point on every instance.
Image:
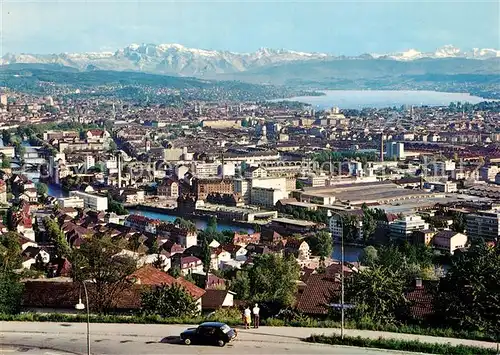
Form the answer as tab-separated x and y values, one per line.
342	305
80	306
342	277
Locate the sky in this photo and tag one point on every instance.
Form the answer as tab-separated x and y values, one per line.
335	27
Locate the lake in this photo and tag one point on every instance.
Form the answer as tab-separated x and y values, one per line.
357	99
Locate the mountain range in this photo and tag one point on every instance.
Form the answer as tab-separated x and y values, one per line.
175	59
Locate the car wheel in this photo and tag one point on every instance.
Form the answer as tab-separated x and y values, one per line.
187	341
221	342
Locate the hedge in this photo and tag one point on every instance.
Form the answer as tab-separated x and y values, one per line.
402	345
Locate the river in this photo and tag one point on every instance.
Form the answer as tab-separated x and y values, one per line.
357	99
200	223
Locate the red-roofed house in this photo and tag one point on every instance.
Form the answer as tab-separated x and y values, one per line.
142	223
216	299
97	136
151	276
320	291
187	264
245	239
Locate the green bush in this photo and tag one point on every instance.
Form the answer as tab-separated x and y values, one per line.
402	345
230	316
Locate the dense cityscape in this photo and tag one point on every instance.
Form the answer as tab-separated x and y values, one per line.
174	187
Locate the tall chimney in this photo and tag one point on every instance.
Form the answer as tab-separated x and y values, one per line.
382	147
118	157
418	282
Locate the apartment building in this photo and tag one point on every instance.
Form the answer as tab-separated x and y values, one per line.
266	196
204	187
404	228
484	224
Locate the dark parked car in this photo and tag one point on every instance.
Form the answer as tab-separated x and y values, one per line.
215	333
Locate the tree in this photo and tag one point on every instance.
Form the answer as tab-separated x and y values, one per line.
459	222
6	162
212	224
184	224
273	279
322	245
241	285
174	271
57	236
10	251
42	189
116	207
369	223
299	184
169	301
98	262
350	227
378	294
369	257
112	146
10	259
20	150
11	291
6	137
206	257
154	248
469	294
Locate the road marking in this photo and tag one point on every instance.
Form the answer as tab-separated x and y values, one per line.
2	350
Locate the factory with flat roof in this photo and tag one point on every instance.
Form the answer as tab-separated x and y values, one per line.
380	192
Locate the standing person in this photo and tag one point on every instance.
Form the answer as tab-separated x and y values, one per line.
248	317
256	315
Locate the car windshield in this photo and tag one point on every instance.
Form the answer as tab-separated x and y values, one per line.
225	328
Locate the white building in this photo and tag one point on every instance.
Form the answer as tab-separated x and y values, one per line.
92	201
403	228
205	170
243	187
266	196
255	172
70	202
279	183
449	241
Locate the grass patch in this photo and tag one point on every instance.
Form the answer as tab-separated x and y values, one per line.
402	345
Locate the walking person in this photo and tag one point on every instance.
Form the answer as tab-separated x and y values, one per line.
256	315
248	317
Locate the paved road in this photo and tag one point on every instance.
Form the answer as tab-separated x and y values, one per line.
35	338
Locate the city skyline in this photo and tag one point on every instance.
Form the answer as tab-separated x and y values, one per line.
337	28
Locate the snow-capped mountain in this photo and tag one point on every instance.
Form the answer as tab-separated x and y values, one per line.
447	51
180	60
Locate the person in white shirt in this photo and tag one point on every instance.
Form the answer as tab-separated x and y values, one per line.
248	317
256	312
